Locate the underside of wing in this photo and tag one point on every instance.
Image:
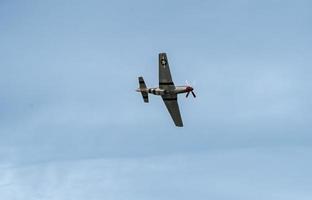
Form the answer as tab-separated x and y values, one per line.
171	103
165	80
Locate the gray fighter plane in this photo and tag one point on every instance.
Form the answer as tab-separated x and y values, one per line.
167	90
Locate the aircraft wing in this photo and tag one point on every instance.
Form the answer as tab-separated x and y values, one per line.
165	80
171	102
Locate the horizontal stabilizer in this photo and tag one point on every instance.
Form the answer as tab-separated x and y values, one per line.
143	89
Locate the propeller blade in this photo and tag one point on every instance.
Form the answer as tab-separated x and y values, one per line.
187	83
193	94
187	94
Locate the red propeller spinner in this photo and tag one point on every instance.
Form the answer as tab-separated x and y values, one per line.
189	90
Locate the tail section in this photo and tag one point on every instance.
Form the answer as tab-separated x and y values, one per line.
143	89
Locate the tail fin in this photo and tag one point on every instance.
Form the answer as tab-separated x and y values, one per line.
143	89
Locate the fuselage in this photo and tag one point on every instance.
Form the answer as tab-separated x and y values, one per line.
159	91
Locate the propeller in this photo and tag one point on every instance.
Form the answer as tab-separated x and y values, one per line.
189	90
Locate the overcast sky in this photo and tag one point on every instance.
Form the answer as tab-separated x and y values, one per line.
72	127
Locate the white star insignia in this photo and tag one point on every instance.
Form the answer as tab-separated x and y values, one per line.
163	62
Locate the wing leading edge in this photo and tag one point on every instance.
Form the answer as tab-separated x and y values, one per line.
171	102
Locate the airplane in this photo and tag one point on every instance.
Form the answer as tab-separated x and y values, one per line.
167	90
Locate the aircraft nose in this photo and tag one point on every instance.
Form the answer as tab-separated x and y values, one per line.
189	89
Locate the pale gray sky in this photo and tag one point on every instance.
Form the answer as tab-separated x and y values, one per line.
72	125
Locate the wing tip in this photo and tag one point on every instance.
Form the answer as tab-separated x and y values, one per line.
178	123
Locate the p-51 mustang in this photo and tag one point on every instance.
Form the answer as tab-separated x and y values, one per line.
167	90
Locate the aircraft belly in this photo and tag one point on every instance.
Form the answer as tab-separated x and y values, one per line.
156	91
